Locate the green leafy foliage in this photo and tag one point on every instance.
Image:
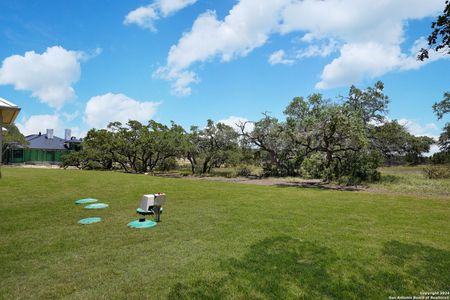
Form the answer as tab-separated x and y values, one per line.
313	166
415	147
322	139
440	109
133	147
84	160
440	36
440	158
444	138
275	146
443	107
12	138
372	103
342	141
211	147
390	139
437	172
243	170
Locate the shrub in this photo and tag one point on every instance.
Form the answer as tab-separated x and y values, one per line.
81	160
243	170
230	174
440	158
72	159
437	172
313	167
168	164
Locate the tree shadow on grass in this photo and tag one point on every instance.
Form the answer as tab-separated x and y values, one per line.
287	268
423	266
391	179
318	185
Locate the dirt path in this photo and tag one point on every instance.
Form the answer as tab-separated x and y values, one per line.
306	183
286	182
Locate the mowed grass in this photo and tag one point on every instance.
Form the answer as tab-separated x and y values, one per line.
216	240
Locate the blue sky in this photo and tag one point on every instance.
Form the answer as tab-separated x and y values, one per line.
80	64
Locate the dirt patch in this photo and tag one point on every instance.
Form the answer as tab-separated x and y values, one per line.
270	181
37	166
306	183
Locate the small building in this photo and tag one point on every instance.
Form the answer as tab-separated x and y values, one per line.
44	148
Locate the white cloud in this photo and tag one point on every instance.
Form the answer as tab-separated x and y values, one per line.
71	116
145	16
49	76
410	62
430	129
181	80
234	123
322	50
247	27
168	7
433	149
278	57
417	129
353	64
76	132
100	110
372	32
359	61
40	123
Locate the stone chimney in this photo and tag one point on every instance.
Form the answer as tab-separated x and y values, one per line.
50	134
67	134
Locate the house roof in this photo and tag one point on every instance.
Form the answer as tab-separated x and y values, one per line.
41	141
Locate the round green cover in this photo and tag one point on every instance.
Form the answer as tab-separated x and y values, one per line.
87	200
145	224
91	220
96	206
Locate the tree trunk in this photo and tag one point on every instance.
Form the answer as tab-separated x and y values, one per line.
329	158
205	165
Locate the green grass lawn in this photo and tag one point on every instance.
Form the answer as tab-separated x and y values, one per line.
216	240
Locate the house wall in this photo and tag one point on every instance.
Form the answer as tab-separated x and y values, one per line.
37	156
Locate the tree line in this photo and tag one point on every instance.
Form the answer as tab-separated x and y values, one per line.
344	140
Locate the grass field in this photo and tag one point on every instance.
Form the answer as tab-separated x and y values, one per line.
216	240
412	180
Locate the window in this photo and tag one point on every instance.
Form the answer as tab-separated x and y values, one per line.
18	154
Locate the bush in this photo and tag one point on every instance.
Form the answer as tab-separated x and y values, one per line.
230	174
440	158
437	172
359	167
80	160
243	170
72	159
168	164
313	167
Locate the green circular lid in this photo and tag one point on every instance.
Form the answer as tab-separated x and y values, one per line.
145	224
84	201
91	220
96	206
